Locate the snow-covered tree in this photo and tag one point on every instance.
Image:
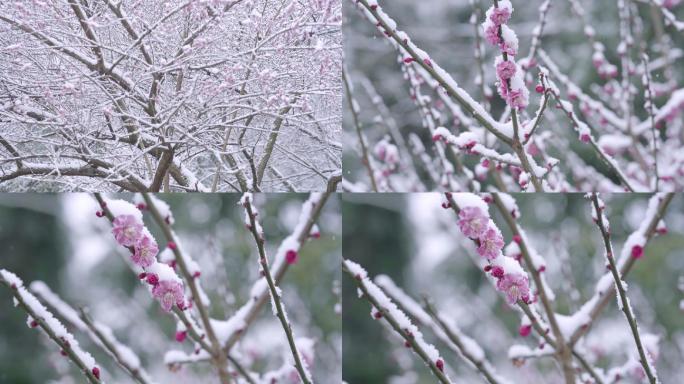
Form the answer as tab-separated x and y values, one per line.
172	95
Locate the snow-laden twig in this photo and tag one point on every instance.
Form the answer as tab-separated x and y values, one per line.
584	135
402	42
384	308
475	223
101	334
39	316
536	267
354	110
636	242
130	232
598	214
305	229
278	308
444	328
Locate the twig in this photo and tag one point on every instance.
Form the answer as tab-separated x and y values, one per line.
252	308
651	115
626	267
63	343
621	291
564	353
304	375
353	108
387	315
220	359
484	368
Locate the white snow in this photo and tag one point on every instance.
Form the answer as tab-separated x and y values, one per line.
120	207
466	199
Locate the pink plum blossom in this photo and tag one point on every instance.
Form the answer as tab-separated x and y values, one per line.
492	34
517	99
491	243
169	292
472	222
127	230
500	15
515	286
505	69
508	48
146	250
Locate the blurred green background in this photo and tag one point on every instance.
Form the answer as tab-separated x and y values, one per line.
417	243
58	239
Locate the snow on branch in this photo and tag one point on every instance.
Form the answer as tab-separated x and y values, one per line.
175	96
252	224
599	216
39	316
100	333
384	308
464	139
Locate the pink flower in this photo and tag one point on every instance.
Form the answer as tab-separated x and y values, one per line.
472	222
517	99
500	15
503	90
127	230
491	243
492	34
509	48
515	286
169	293
637	251
291	256
505	69
146	250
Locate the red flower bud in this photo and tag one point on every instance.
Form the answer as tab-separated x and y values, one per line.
291	256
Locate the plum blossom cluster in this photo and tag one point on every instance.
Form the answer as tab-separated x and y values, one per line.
130	231
589	343
624	102
511	84
475	223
